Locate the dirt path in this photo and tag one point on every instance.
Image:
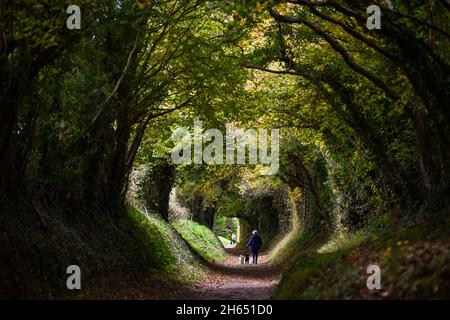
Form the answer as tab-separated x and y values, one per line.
230	280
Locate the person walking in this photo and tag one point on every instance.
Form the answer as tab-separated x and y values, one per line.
255	243
233	238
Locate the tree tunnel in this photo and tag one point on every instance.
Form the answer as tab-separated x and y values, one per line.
271	215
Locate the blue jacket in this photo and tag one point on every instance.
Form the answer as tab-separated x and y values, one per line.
255	242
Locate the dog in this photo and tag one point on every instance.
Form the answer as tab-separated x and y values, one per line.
244	258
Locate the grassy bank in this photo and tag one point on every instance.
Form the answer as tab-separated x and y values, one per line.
164	250
201	239
414	263
114	255
224	241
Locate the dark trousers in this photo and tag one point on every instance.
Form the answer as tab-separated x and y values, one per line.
255	255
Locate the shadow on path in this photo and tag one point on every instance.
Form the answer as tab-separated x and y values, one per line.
230	280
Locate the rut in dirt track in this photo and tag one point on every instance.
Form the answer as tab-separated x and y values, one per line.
230	280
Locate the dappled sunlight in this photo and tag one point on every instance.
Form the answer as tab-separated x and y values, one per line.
282	245
231	280
342	241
